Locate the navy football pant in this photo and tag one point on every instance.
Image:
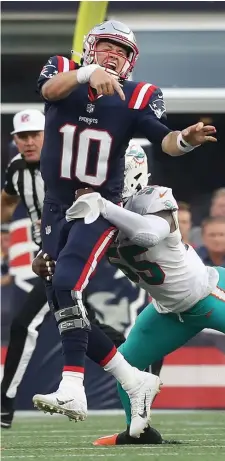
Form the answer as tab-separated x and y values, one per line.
78	248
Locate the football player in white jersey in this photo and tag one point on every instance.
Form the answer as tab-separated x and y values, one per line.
188	296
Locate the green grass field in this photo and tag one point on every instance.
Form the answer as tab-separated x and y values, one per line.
55	438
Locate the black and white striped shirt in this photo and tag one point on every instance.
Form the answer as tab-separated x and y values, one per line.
24	180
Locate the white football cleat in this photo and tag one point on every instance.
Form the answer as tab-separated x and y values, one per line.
141	398
71	404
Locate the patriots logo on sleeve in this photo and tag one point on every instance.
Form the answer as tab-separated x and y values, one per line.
49	70
148	95
158	106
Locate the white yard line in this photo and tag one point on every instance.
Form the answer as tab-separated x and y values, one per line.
118	412
72	455
87	436
102	455
57	431
124	448
85	433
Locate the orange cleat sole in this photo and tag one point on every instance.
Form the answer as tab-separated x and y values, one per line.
107	440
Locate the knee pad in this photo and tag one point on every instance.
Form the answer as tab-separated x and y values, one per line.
73	317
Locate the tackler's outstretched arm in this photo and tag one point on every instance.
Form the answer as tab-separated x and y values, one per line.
147	230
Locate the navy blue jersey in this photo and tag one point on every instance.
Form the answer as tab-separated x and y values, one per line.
86	136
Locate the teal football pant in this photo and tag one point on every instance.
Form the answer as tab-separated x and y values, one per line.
155	335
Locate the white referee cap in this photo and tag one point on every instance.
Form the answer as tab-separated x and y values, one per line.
28	120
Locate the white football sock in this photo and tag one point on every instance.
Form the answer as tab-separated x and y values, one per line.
122	371
69	378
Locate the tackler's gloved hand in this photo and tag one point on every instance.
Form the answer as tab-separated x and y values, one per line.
87	206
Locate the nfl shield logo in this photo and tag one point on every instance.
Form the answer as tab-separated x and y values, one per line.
48	230
90	108
25	118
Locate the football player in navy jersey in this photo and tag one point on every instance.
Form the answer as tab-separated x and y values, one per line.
92	111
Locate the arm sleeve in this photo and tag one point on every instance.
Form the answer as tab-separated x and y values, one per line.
151	120
8	184
54	65
147	230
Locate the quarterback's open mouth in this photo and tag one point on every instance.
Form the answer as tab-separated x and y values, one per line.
110	65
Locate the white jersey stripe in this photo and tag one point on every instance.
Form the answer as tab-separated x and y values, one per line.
15	181
94	261
28	196
141	95
28	350
66	64
30	200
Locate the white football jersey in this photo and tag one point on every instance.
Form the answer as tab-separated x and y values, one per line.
171	272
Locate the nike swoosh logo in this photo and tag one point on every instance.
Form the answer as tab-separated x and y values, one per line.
162	195
144	414
63	402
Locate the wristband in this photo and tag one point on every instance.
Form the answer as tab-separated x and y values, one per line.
84	73
183	145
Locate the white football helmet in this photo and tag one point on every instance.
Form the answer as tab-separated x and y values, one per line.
117	32
136	170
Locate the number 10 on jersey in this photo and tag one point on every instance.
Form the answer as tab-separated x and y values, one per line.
76	148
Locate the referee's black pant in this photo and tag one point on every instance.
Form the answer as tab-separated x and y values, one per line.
23	338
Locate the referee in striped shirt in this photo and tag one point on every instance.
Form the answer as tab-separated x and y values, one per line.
23	182
23	179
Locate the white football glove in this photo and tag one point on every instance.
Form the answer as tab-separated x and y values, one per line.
87	206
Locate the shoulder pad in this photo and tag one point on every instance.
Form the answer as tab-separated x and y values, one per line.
57	64
160	198
141	95
65	64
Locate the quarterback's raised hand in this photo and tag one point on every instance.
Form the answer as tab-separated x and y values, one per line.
199	134
105	83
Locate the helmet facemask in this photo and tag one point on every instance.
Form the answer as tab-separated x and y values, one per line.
109	65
